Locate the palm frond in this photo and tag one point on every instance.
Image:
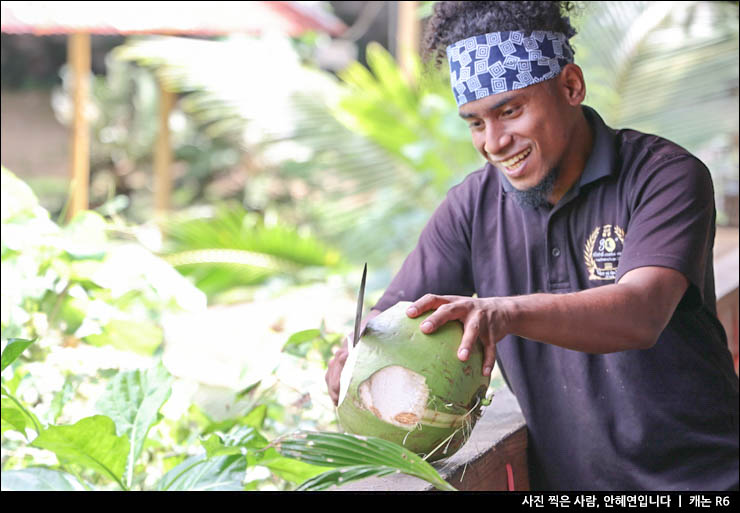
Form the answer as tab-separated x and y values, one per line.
356	458
669	68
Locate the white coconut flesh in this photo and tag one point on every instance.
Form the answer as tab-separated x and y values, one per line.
396	395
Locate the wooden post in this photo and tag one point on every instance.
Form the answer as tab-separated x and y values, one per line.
407	37
78	55
163	153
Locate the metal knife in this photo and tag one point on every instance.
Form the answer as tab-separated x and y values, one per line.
358	314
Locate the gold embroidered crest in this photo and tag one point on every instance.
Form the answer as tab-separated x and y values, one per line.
602	252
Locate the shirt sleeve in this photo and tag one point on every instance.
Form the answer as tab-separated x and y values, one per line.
441	261
672	223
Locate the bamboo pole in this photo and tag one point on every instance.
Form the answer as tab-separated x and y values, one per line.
407	37
78	55
163	153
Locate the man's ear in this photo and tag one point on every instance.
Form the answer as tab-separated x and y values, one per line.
572	85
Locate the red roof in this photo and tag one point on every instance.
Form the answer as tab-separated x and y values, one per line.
204	18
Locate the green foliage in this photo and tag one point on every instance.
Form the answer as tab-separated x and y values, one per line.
88	280
82	286
91	442
132	400
356	457
229	247
315	344
343	157
671	69
40	479
124	106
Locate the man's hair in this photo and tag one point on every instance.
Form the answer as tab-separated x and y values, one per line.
454	21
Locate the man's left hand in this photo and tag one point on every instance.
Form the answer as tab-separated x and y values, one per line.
482	319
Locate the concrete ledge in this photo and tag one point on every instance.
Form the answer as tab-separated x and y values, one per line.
495	457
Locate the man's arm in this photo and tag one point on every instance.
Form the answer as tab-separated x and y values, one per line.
627	315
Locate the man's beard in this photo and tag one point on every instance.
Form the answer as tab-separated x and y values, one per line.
536	196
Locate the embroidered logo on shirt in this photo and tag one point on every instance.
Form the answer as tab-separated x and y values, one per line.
602	252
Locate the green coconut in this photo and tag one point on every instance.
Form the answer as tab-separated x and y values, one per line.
410	388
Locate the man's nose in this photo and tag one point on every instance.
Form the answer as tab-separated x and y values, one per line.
496	142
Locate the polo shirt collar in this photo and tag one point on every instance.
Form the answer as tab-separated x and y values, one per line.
601	161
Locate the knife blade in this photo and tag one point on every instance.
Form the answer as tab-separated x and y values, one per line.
358	313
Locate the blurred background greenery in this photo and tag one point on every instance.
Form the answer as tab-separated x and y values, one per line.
296	159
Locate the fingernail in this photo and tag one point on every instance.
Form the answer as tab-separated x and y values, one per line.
411	311
463	354
426	326
487	371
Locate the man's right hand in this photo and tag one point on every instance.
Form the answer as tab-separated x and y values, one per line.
336	364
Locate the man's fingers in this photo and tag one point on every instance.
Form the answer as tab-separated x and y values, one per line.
444	314
469	339
426	303
489	358
334	371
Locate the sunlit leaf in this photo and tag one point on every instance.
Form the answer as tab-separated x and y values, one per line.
16	415
91	442
13	350
133	399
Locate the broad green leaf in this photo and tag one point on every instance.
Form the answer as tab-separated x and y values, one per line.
375	457
13	350
133	399
12	406
35	479
303	336
12	419
256	417
91	442
137	336
223	473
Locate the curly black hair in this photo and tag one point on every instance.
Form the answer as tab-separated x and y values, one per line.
454	21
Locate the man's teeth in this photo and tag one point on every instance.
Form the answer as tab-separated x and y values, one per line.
516	158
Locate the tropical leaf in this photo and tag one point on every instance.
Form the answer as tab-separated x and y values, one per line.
16	416
37	479
233	247
356	458
200	473
669	68
248	442
13	350
133	399
91	442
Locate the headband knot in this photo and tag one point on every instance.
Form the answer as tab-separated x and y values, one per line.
502	61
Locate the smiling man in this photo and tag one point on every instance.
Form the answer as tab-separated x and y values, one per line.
580	258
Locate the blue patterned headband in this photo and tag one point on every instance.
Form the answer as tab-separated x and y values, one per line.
502	61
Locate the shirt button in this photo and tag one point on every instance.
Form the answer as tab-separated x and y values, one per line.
555	252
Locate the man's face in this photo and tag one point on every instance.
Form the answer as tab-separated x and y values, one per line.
523	133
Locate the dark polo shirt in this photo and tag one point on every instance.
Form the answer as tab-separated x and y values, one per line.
665	418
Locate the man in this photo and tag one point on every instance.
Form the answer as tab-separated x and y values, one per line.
589	253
